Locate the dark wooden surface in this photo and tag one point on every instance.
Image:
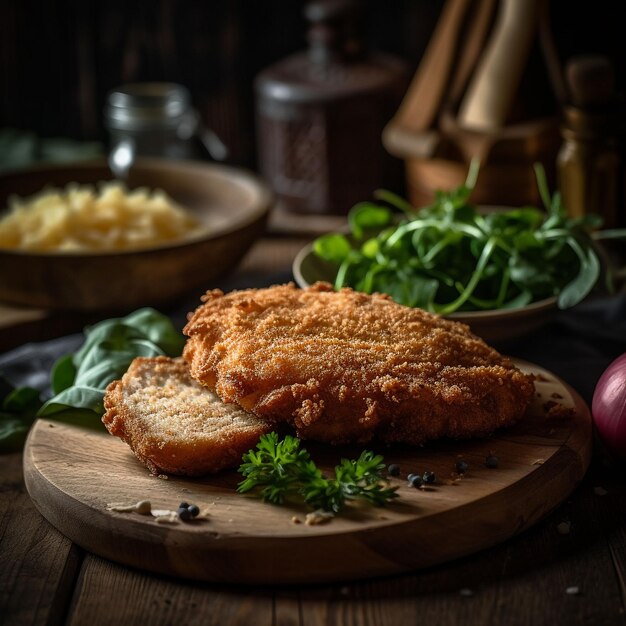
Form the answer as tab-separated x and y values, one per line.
44	579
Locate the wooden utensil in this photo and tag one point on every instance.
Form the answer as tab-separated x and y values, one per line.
490	93
443	73
410	131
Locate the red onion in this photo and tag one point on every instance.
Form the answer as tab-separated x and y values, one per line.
609	406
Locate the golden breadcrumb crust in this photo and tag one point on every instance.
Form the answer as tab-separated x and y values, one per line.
345	366
173	424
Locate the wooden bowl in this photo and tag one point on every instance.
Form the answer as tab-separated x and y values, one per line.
497	326
231	202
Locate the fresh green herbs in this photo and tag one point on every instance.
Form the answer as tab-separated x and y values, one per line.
78	381
18	408
281	470
449	257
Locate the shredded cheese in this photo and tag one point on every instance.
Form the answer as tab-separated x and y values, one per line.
79	218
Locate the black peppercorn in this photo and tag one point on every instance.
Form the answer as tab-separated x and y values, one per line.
461	467
491	461
394	469
415	480
429	477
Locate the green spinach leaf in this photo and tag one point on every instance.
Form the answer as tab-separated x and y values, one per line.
80	380
18	407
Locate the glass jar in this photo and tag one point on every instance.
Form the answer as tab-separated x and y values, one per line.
157	120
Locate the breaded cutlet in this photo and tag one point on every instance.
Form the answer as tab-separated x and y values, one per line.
347	367
175	425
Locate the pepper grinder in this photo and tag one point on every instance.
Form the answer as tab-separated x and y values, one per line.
321	112
588	162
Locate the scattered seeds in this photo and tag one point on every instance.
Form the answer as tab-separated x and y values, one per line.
318	517
122	508
466	592
296	520
564	528
600	491
539	461
143	507
573	591
169	518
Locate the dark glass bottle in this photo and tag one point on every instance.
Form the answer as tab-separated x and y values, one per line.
320	115
588	162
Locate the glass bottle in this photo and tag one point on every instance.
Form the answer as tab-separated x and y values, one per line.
588	162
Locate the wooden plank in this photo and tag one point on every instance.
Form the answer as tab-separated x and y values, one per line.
107	594
522	583
287	608
609	502
73	474
543	564
38	565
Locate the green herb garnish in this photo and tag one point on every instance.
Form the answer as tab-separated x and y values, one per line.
448	257
281	470
79	380
18	408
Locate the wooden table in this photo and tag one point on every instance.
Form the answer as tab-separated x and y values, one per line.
45	579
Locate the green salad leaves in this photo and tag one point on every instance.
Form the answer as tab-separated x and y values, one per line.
78	380
281	470
450	257
18	410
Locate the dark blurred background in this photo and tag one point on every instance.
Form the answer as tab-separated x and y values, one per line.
59	59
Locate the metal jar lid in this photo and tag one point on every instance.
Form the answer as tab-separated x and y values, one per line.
147	105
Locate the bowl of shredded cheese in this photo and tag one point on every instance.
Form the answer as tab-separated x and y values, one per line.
73	238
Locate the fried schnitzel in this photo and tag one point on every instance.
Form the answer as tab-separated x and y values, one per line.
175	425
347	367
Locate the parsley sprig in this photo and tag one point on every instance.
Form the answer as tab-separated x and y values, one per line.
282	470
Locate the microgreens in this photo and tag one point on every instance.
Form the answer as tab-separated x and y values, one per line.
449	257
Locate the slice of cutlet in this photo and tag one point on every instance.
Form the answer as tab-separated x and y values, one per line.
175	425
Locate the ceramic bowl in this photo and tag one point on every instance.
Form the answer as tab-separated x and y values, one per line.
232	203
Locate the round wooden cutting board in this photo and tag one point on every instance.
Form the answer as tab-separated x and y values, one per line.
73	473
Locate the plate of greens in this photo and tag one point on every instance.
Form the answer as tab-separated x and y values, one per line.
503	271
